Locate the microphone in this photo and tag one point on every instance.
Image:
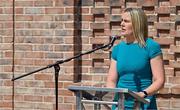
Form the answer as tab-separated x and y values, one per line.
113	38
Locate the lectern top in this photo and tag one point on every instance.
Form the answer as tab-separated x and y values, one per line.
104	89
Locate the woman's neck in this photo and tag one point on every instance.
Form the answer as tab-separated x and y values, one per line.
130	39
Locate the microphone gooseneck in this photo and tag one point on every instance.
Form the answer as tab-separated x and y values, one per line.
113	38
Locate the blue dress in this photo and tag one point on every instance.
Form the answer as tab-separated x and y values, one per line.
134	70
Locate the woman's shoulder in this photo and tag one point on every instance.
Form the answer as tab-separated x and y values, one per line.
120	44
153	48
151	42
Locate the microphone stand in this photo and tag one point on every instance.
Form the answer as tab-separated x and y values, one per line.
57	67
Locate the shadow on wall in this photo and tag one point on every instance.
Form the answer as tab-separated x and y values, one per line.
77	41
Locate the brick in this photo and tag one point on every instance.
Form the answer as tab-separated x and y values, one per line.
7	11
5	90
66	78
87	77
34	11
24	18
165	41
98	25
175	49
175	89
43	18
64	2
54	10
174	64
174	33
176	80
43	3
5	18
6	3
33	98
34	55
1	10
24	3
23	47
175	2
172	9
164	3
99	18
87	18
163	103
65	106
8	39
52	84
69	10
33	83
5	47
42	62
100	55
147	3
98	70
165	18
99	40
42	33
164	90
85	10
163	26
64	92
50	98
69	25
8	68
115	18
43	77
70	100
87	2
97	78
116	11
43	91
42	106
7	97
163	10
64	48
5	104
5	61
53	55
151	18
100	11
175	103
42	48
168	56
24	62
175	18
8	83
64	33
115	3
6	32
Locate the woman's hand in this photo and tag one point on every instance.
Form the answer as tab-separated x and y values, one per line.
140	94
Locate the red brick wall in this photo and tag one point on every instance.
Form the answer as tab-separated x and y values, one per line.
51	30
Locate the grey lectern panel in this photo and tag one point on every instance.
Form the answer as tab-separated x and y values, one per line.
82	96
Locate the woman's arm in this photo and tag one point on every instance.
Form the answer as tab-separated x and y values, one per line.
112	75
158	76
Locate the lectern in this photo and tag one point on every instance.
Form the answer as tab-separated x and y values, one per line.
84	95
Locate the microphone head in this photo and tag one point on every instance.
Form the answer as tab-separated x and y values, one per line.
116	37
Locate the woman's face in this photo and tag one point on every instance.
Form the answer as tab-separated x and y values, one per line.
126	25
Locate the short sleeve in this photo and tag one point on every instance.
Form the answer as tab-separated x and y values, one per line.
114	53
154	49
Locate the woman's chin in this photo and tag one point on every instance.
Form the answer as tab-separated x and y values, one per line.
123	34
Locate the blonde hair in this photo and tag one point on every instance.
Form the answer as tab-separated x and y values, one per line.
139	24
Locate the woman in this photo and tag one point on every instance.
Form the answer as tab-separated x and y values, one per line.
136	62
